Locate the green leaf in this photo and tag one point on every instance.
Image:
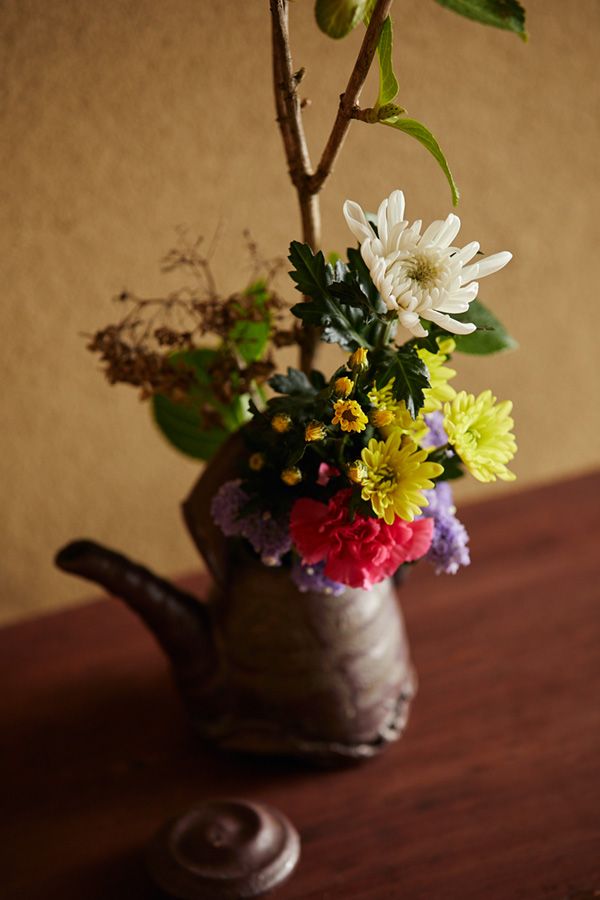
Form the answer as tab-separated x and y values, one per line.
491	335
294	383
251	335
358	266
337	18
340	323
388	84
506	14
182	423
388	111
410	378
343	325
425	137
310	270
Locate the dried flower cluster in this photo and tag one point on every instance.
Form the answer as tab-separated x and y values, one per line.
149	347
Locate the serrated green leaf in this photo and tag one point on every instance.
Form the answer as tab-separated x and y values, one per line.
337	18
410	376
343	325
358	266
310	270
388	84
506	14
182	423
294	383
491	335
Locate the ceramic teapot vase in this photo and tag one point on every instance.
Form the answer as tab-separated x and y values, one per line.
261	666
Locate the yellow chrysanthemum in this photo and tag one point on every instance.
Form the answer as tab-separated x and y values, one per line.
315	431
357	471
349	415
401	420
281	423
397	475
343	386
440	391
481	433
379	418
359	359
256	461
291	476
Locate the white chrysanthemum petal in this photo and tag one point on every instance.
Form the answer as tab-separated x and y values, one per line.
396	206
412	322
396	236
490	264
382	223
449	324
452	304
357	221
467	253
431	232
413	233
447	234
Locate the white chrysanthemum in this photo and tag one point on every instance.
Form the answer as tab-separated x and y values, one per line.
421	276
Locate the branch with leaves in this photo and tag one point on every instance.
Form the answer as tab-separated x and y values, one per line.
337	18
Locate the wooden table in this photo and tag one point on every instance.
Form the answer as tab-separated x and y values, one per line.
493	792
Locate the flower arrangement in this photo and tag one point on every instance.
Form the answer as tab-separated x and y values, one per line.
346	475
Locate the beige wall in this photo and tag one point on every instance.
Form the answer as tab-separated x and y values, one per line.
122	120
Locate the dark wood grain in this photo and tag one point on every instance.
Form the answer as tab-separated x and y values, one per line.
493	793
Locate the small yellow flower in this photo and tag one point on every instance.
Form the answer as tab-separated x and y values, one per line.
357	471
358	360
381	417
257	461
439	375
397	475
343	387
315	431
291	476
349	415
402	421
281	423
481	433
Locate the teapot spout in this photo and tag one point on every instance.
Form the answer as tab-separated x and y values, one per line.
181	624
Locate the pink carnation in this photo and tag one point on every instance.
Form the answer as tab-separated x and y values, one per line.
358	553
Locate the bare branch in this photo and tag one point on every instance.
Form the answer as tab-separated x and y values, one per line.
347	109
286	97
289	119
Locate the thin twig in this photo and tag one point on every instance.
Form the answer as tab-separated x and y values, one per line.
349	99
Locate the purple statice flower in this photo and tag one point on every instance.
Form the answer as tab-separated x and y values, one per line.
441	501
269	535
312	578
226	507
448	549
436	436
